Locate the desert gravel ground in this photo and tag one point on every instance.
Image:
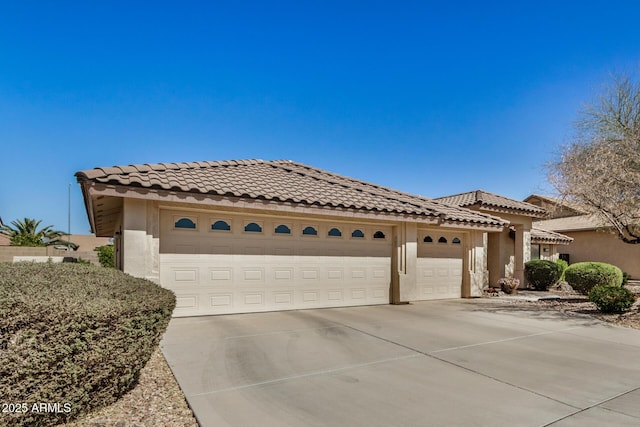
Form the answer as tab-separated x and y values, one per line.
572	302
158	401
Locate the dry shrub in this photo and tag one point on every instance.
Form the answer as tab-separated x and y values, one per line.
74	334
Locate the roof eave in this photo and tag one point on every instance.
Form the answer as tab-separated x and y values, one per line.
88	202
511	211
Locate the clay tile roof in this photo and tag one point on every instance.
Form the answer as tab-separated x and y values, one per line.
488	200
539	235
284	181
560	202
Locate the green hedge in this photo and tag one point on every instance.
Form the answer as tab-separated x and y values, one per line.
583	276
74	334
542	273
611	299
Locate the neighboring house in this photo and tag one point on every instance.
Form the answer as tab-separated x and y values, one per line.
592	240
509	250
547	244
253	235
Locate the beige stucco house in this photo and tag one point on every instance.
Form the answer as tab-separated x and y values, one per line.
522	241
253	235
592	240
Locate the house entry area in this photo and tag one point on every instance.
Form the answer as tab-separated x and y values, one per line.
218	263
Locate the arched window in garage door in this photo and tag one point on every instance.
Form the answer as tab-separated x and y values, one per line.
309	231
357	234
282	229
253	227
185	223
334	232
221	225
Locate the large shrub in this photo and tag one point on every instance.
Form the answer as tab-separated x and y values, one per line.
542	273
611	299
583	276
74	335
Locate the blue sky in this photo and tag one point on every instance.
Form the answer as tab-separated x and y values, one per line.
432	98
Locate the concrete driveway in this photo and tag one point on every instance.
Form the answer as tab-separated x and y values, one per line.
444	363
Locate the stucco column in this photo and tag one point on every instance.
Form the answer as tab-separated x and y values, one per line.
474	264
139	243
406	253
522	251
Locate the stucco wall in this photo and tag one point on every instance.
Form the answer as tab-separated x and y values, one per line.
8	252
603	247
140	239
550	252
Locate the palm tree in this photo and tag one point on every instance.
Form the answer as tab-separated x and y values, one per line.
25	233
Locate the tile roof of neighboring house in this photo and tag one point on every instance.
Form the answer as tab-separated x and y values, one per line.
570	204
572	223
280	180
492	201
539	235
4	240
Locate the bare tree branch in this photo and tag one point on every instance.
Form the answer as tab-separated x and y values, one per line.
600	168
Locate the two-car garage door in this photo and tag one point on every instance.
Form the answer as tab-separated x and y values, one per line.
233	264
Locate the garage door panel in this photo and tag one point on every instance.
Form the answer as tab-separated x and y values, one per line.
253	298
224	300
186	302
220	276
185	275
358	273
252	275
335	273
335	295
282	274
283	298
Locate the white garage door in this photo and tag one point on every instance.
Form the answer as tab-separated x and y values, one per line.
218	263
439	265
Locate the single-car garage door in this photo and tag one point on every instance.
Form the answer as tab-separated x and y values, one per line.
218	263
439	265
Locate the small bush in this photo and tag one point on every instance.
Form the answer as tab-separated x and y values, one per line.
583	276
106	256
75	334
542	273
611	299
